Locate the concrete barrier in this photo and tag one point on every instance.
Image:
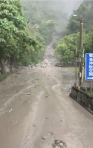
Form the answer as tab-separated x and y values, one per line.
82	98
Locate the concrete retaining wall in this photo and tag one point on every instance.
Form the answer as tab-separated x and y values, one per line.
82	98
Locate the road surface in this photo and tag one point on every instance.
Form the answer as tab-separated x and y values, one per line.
35	109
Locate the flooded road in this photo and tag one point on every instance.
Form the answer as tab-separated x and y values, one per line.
35	109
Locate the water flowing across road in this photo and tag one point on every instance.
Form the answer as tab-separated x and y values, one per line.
36	111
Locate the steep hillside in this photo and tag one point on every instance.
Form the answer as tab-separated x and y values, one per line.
40	13
17	45
86	12
66	49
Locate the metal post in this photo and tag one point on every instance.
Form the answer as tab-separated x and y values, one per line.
91	88
75	73
81	46
76	66
83	69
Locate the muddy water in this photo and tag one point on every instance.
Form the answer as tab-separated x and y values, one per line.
35	109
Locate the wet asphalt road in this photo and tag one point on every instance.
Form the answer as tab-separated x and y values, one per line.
35	110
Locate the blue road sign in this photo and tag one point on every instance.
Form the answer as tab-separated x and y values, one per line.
89	66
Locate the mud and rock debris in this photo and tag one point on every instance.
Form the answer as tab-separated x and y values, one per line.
59	144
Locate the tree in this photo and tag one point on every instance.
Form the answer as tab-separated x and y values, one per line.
71	41
45	18
15	42
66	49
86	12
46	30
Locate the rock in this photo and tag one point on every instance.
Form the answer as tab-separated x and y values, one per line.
53	145
15	122
27	93
47	117
20	98
52	133
10	110
59	144
60	120
44	138
34	125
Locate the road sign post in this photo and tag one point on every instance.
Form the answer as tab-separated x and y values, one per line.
80	55
89	68
91	88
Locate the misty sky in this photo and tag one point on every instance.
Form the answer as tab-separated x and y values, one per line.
71	5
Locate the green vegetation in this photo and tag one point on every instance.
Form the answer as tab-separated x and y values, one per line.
66	48
90	93
4	76
45	18
86	12
23	40
18	46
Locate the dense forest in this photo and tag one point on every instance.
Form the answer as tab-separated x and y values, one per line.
26	28
45	18
70	42
18	45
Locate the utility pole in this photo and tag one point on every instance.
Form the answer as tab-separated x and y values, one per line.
81	48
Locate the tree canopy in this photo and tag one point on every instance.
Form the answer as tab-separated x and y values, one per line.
17	44
86	12
66	48
45	18
71	41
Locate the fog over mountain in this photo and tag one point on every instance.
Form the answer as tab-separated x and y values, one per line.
38	11
67	5
71	5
